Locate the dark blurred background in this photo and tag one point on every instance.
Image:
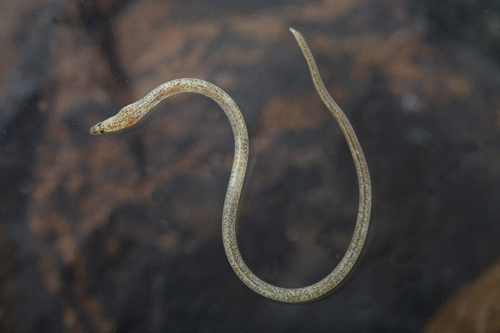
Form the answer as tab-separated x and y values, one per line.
122	233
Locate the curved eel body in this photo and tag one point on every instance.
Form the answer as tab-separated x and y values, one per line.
132	113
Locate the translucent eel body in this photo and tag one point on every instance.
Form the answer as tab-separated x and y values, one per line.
132	113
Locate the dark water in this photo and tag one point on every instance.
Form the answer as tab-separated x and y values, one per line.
122	233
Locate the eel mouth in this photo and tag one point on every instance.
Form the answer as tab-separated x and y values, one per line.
96	130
